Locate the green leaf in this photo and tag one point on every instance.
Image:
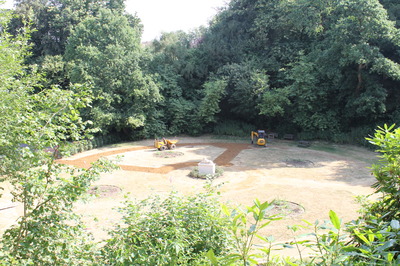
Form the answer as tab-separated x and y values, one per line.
253	261
225	210
390	257
387	245
285	245
265	205
362	237
264	225
252	228
334	219
257	203
211	256
395	224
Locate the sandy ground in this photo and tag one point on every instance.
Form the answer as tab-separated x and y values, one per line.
319	178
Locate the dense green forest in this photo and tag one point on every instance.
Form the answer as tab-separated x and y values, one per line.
74	69
320	69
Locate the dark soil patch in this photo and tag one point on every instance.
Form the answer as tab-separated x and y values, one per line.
168	154
103	191
299	163
283	208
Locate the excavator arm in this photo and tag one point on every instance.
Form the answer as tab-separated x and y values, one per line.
253	135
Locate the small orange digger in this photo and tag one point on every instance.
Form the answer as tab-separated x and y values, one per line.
258	137
164	144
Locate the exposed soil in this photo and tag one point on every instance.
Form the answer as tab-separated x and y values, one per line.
299	163
285	209
224	159
103	191
309	181
168	154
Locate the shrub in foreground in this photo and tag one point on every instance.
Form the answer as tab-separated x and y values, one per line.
170	231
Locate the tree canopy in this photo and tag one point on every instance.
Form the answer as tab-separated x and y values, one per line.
321	68
104	50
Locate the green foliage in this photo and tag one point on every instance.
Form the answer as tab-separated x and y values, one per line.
354	136
327	69
180	113
214	91
377	232
308	66
174	66
393	8
327	66
105	51
233	128
375	244
48	232
387	172
195	173
274	102
244	226
244	88
55	20
88	144
355	77
328	247
170	231
54	71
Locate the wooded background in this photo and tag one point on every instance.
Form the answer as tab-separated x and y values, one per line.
325	69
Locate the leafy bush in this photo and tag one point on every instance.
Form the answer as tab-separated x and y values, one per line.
377	231
244	226
326	243
387	173
170	231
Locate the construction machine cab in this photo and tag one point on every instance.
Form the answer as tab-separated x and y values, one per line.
261	133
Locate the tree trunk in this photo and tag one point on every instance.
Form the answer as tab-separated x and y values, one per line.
359	78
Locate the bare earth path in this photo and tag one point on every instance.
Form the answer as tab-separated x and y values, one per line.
231	151
318	179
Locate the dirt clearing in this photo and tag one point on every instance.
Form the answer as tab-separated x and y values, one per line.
317	179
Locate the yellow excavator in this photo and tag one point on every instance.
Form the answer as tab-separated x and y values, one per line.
258	137
164	144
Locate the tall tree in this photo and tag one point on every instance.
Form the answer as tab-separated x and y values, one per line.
328	65
54	20
173	63
393	8
105	50
342	81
